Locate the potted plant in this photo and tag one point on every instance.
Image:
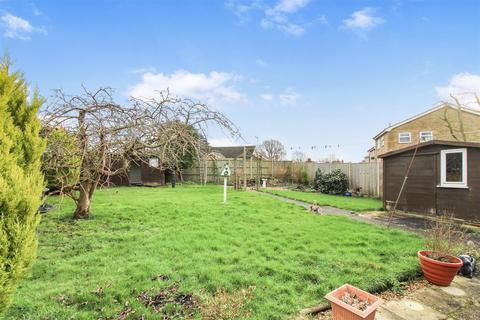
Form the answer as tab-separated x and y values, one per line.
350	303
443	242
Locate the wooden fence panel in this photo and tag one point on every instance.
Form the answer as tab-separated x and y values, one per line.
366	177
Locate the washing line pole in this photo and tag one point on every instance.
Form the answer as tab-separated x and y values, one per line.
226	172
225	190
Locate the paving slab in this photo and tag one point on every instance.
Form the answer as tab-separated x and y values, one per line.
470	313
384	314
413	310
459	301
442	302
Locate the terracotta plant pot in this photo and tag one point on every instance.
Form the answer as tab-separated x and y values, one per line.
438	272
344	311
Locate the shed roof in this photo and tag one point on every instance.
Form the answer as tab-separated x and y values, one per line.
460	144
234	152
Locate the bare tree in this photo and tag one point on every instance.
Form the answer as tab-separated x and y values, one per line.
272	150
456	125
109	136
299	156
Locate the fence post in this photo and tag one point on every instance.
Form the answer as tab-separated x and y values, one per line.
259	174
251	167
378	177
206	172
244	167
350	180
272	169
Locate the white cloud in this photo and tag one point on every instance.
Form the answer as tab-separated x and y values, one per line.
289	97
277	16
242	8
289	6
462	86
35	10
363	20
281	24
212	87
18	28
261	62
266	96
143	70
291	28
222	142
320	20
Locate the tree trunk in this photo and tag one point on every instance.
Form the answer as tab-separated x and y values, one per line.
174	178
84	201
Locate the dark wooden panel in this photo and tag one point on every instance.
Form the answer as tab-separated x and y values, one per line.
419	191
152	175
118	180
135	173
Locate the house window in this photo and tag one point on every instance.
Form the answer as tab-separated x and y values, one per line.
404	137
454	168
426	136
153	162
380	142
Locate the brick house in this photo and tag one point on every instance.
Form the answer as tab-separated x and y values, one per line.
439	123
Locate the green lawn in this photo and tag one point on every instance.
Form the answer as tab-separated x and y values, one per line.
292	257
342	202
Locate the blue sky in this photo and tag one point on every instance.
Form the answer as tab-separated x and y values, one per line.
308	73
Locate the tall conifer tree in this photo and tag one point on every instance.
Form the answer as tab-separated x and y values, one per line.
21	181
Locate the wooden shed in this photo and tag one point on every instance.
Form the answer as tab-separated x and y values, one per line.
444	178
234	152
141	173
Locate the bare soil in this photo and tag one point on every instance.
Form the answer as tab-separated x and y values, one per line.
170	302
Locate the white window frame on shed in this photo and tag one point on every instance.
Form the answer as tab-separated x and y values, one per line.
153	162
443	167
430	136
404	135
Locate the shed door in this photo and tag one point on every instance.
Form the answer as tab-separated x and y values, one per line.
422	184
135	174
420	189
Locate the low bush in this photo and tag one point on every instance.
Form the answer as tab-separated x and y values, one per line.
304	177
335	182
60	161
318	180
446	237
